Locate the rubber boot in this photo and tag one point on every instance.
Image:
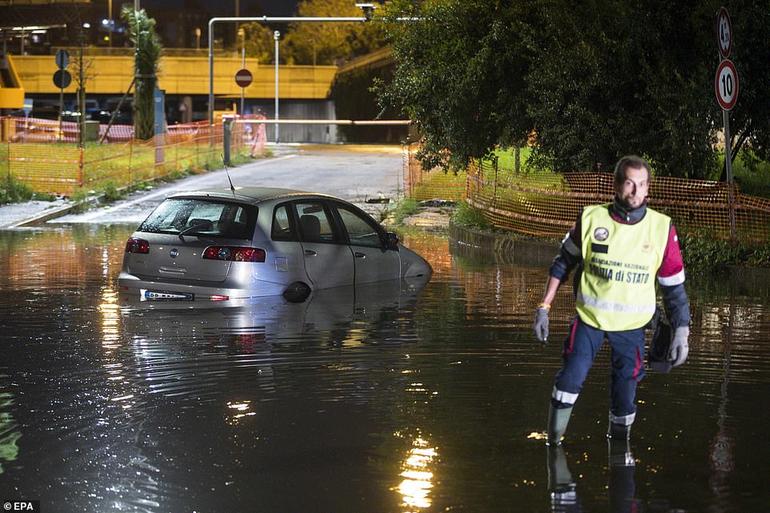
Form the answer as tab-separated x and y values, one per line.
622	484
560	483
619	453
619	431
558	418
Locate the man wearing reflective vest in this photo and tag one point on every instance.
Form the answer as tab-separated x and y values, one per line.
620	249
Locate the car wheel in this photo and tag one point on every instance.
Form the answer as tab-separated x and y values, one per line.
297	292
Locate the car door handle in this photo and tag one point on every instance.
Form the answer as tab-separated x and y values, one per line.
359	255
310	252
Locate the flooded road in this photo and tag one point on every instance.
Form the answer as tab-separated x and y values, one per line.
395	398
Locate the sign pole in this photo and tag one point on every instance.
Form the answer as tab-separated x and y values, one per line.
61	108
62	59
729	173
726	86
243	66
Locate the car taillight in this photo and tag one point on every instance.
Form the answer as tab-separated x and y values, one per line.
234	254
134	245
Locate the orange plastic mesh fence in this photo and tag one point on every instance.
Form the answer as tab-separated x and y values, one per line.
425	185
546	204
63	168
45	167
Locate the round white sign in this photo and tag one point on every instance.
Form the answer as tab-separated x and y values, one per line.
724	33
726	84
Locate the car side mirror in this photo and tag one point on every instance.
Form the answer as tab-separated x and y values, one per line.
391	241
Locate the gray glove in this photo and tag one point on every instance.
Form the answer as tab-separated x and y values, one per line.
679	348
541	324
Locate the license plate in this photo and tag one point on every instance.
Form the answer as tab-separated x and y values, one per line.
158	295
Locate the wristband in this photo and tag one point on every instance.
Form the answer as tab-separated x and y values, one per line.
544	306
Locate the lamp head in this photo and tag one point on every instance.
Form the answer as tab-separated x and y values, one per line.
368	10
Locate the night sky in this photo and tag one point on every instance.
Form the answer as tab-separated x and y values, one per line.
227	7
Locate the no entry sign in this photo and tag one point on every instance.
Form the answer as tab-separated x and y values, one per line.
243	77
726	84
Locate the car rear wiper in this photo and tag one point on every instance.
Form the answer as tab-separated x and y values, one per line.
191	229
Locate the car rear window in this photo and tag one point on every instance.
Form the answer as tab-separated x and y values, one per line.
212	218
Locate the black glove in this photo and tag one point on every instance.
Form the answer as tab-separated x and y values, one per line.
541	324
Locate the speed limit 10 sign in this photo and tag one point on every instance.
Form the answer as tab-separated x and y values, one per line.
726	84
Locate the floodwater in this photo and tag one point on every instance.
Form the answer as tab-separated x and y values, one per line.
396	398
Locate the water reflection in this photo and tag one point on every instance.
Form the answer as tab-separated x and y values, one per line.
9	434
417	474
564	492
377	399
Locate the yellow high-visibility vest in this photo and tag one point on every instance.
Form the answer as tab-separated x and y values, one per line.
620	266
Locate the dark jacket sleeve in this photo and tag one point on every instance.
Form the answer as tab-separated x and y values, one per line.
569	255
677	305
671	280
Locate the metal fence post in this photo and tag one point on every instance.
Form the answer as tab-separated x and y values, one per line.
81	171
227	128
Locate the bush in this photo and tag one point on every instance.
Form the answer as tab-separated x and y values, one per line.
80	200
403	209
111	193
752	174
14	191
703	253
468	216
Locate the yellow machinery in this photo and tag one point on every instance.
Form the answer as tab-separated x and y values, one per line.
11	91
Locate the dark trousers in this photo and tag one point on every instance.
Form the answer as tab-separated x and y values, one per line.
580	349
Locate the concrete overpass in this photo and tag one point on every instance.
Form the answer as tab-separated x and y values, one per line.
179	75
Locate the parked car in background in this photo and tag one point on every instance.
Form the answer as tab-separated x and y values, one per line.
124	117
246	243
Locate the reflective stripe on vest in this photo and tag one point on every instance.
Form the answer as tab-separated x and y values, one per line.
620	263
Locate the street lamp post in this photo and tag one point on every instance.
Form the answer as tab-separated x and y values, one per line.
109	21
242	33
366	8
276	36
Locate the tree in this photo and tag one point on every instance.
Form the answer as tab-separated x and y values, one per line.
326	43
460	76
259	41
617	78
146	60
594	80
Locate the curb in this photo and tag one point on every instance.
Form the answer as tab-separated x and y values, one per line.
42	217
508	249
505	248
51	213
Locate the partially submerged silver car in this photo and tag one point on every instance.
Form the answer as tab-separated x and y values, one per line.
234	245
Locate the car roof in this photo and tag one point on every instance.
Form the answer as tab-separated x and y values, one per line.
250	194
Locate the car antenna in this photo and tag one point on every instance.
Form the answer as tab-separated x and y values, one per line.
232	189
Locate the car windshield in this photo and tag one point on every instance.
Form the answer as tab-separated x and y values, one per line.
212	218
